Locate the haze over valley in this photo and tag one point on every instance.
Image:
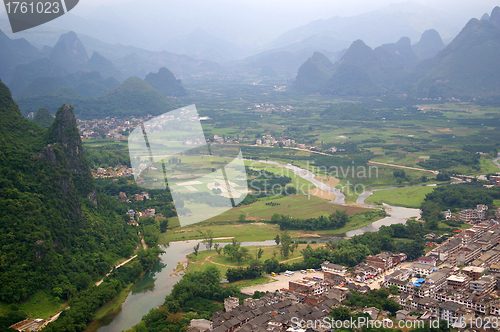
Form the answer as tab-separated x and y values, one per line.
233	165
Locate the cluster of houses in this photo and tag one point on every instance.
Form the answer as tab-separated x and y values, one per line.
134	216
270	140
269	108
273	312
109	127
309	299
457	280
470	216
376	265
122	196
113	172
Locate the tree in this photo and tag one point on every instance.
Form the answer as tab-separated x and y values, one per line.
275	218
340	313
286	241
235	242
217	248
242	218
196	248
259	253
127	250
274	254
443	176
209	239
163	225
277	239
399	173
240	254
413	250
332	245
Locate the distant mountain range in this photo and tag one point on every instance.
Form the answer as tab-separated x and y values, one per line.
467	67
376	27
134	97
66	74
202	53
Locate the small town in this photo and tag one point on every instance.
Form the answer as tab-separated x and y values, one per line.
456	281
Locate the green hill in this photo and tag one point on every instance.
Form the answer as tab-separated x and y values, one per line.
363	71
165	82
25	74
350	80
41	86
402	53
467	67
69	53
43	118
429	45
132	97
51	101
103	66
55	231
313	74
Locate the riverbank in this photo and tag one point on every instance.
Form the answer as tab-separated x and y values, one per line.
259	231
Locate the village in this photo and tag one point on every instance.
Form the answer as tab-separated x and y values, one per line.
119	129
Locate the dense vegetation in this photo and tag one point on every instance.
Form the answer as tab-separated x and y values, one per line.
43	118
346	252
86	302
265	183
56	231
449	159
374	298
454	198
336	220
354	251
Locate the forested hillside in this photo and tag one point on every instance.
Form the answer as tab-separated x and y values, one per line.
56	233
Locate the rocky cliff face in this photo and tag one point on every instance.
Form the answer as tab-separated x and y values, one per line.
65	152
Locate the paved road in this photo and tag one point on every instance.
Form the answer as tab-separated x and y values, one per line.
495	161
407	167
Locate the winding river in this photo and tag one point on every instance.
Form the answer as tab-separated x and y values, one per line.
151	290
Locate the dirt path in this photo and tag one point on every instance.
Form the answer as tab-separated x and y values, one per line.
208	259
116	266
291	259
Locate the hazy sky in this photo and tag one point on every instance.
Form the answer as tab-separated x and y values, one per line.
305	11
249	21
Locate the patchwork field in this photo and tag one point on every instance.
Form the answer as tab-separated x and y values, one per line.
411	197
